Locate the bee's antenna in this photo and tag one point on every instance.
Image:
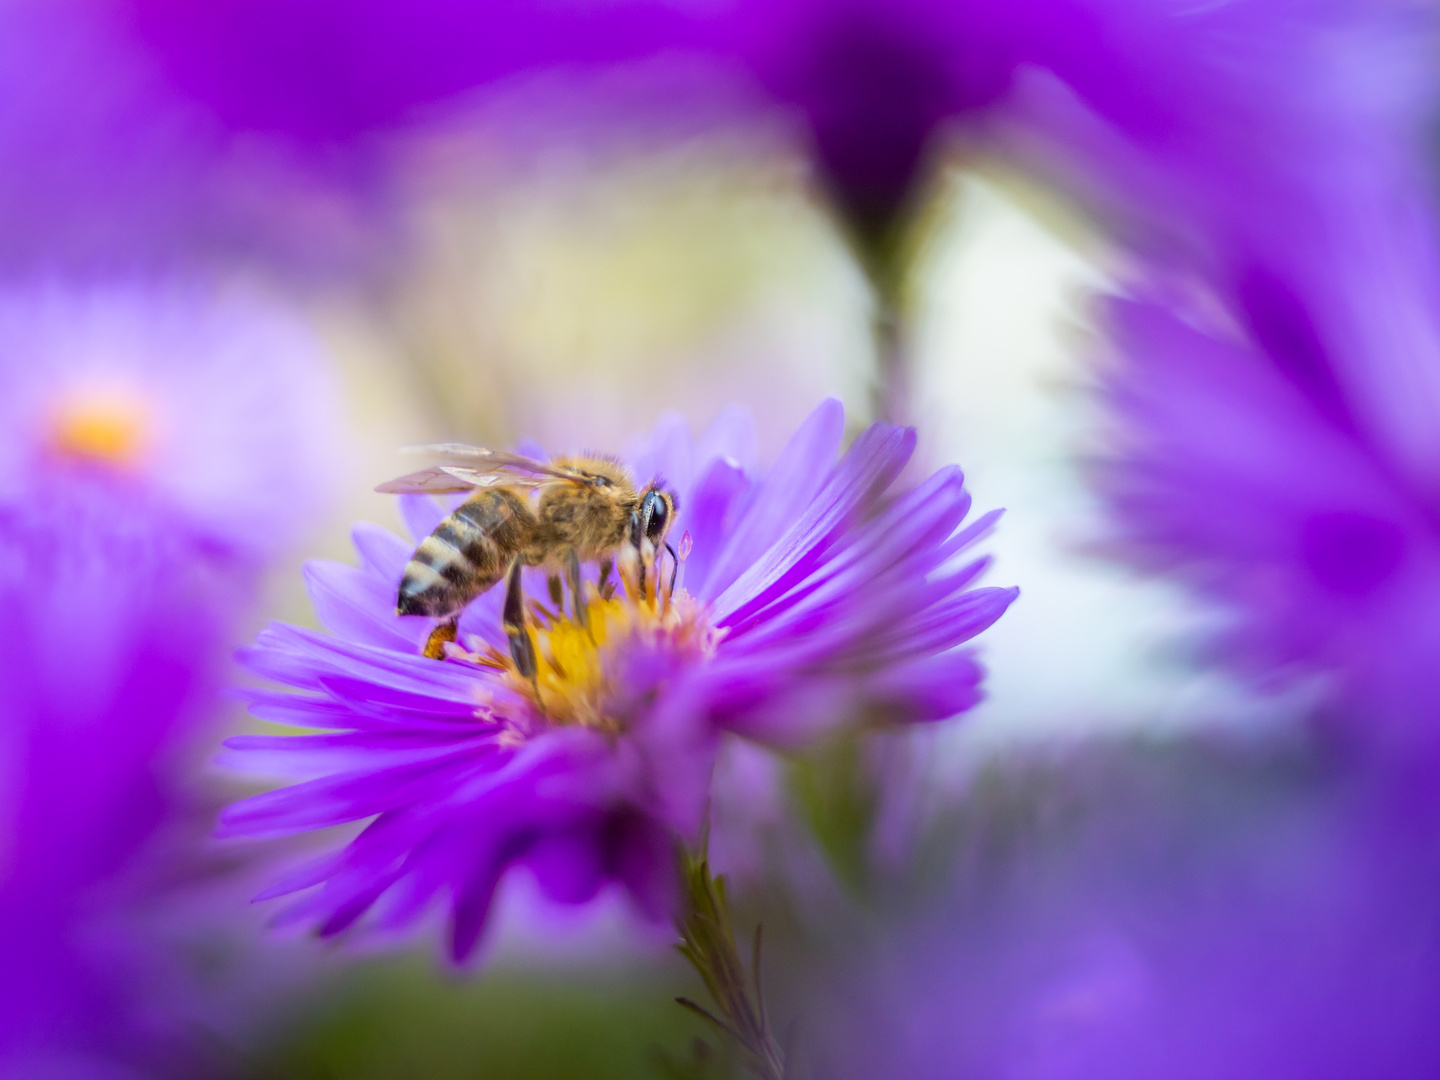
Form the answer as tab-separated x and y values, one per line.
674	566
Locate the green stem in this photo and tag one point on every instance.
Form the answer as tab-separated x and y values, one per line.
707	940
892	382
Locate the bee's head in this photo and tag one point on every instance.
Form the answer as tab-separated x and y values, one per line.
654	514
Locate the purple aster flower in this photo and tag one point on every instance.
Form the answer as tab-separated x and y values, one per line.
156	449
816	595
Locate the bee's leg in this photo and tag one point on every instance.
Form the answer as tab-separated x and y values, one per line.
557	594
577	595
606	590
443	632
522	649
635	539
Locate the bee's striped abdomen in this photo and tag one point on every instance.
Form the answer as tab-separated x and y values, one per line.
468	553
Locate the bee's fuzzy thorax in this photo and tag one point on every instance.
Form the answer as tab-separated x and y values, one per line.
598	464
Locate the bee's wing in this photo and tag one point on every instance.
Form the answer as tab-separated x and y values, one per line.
482	460
440	479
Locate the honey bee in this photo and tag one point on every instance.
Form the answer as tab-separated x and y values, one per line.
586	510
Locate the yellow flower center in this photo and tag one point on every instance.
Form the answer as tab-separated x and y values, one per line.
578	677
104	426
575	679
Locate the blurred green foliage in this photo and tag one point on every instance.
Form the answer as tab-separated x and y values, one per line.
835	792
397	1019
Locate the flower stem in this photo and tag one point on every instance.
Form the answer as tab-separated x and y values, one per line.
891	395
707	940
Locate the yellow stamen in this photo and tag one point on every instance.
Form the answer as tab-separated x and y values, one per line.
575	677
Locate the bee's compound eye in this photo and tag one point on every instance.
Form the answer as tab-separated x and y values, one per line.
659	515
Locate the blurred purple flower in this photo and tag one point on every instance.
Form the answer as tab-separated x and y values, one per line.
814	597
1264	167
250	126
150	132
324	71
158	446
873	81
1186	915
215	404
107	167
876	80
115	623
1324	562
1288	180
1266	137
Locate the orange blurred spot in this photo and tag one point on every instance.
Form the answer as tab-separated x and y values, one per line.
100	427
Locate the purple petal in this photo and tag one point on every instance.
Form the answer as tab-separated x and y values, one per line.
871	465
931	688
945	625
706	517
349	796
392	696
793	481
422	515
382	554
305	710
569	866
922	518
669	453
730	437
355	605
292	650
